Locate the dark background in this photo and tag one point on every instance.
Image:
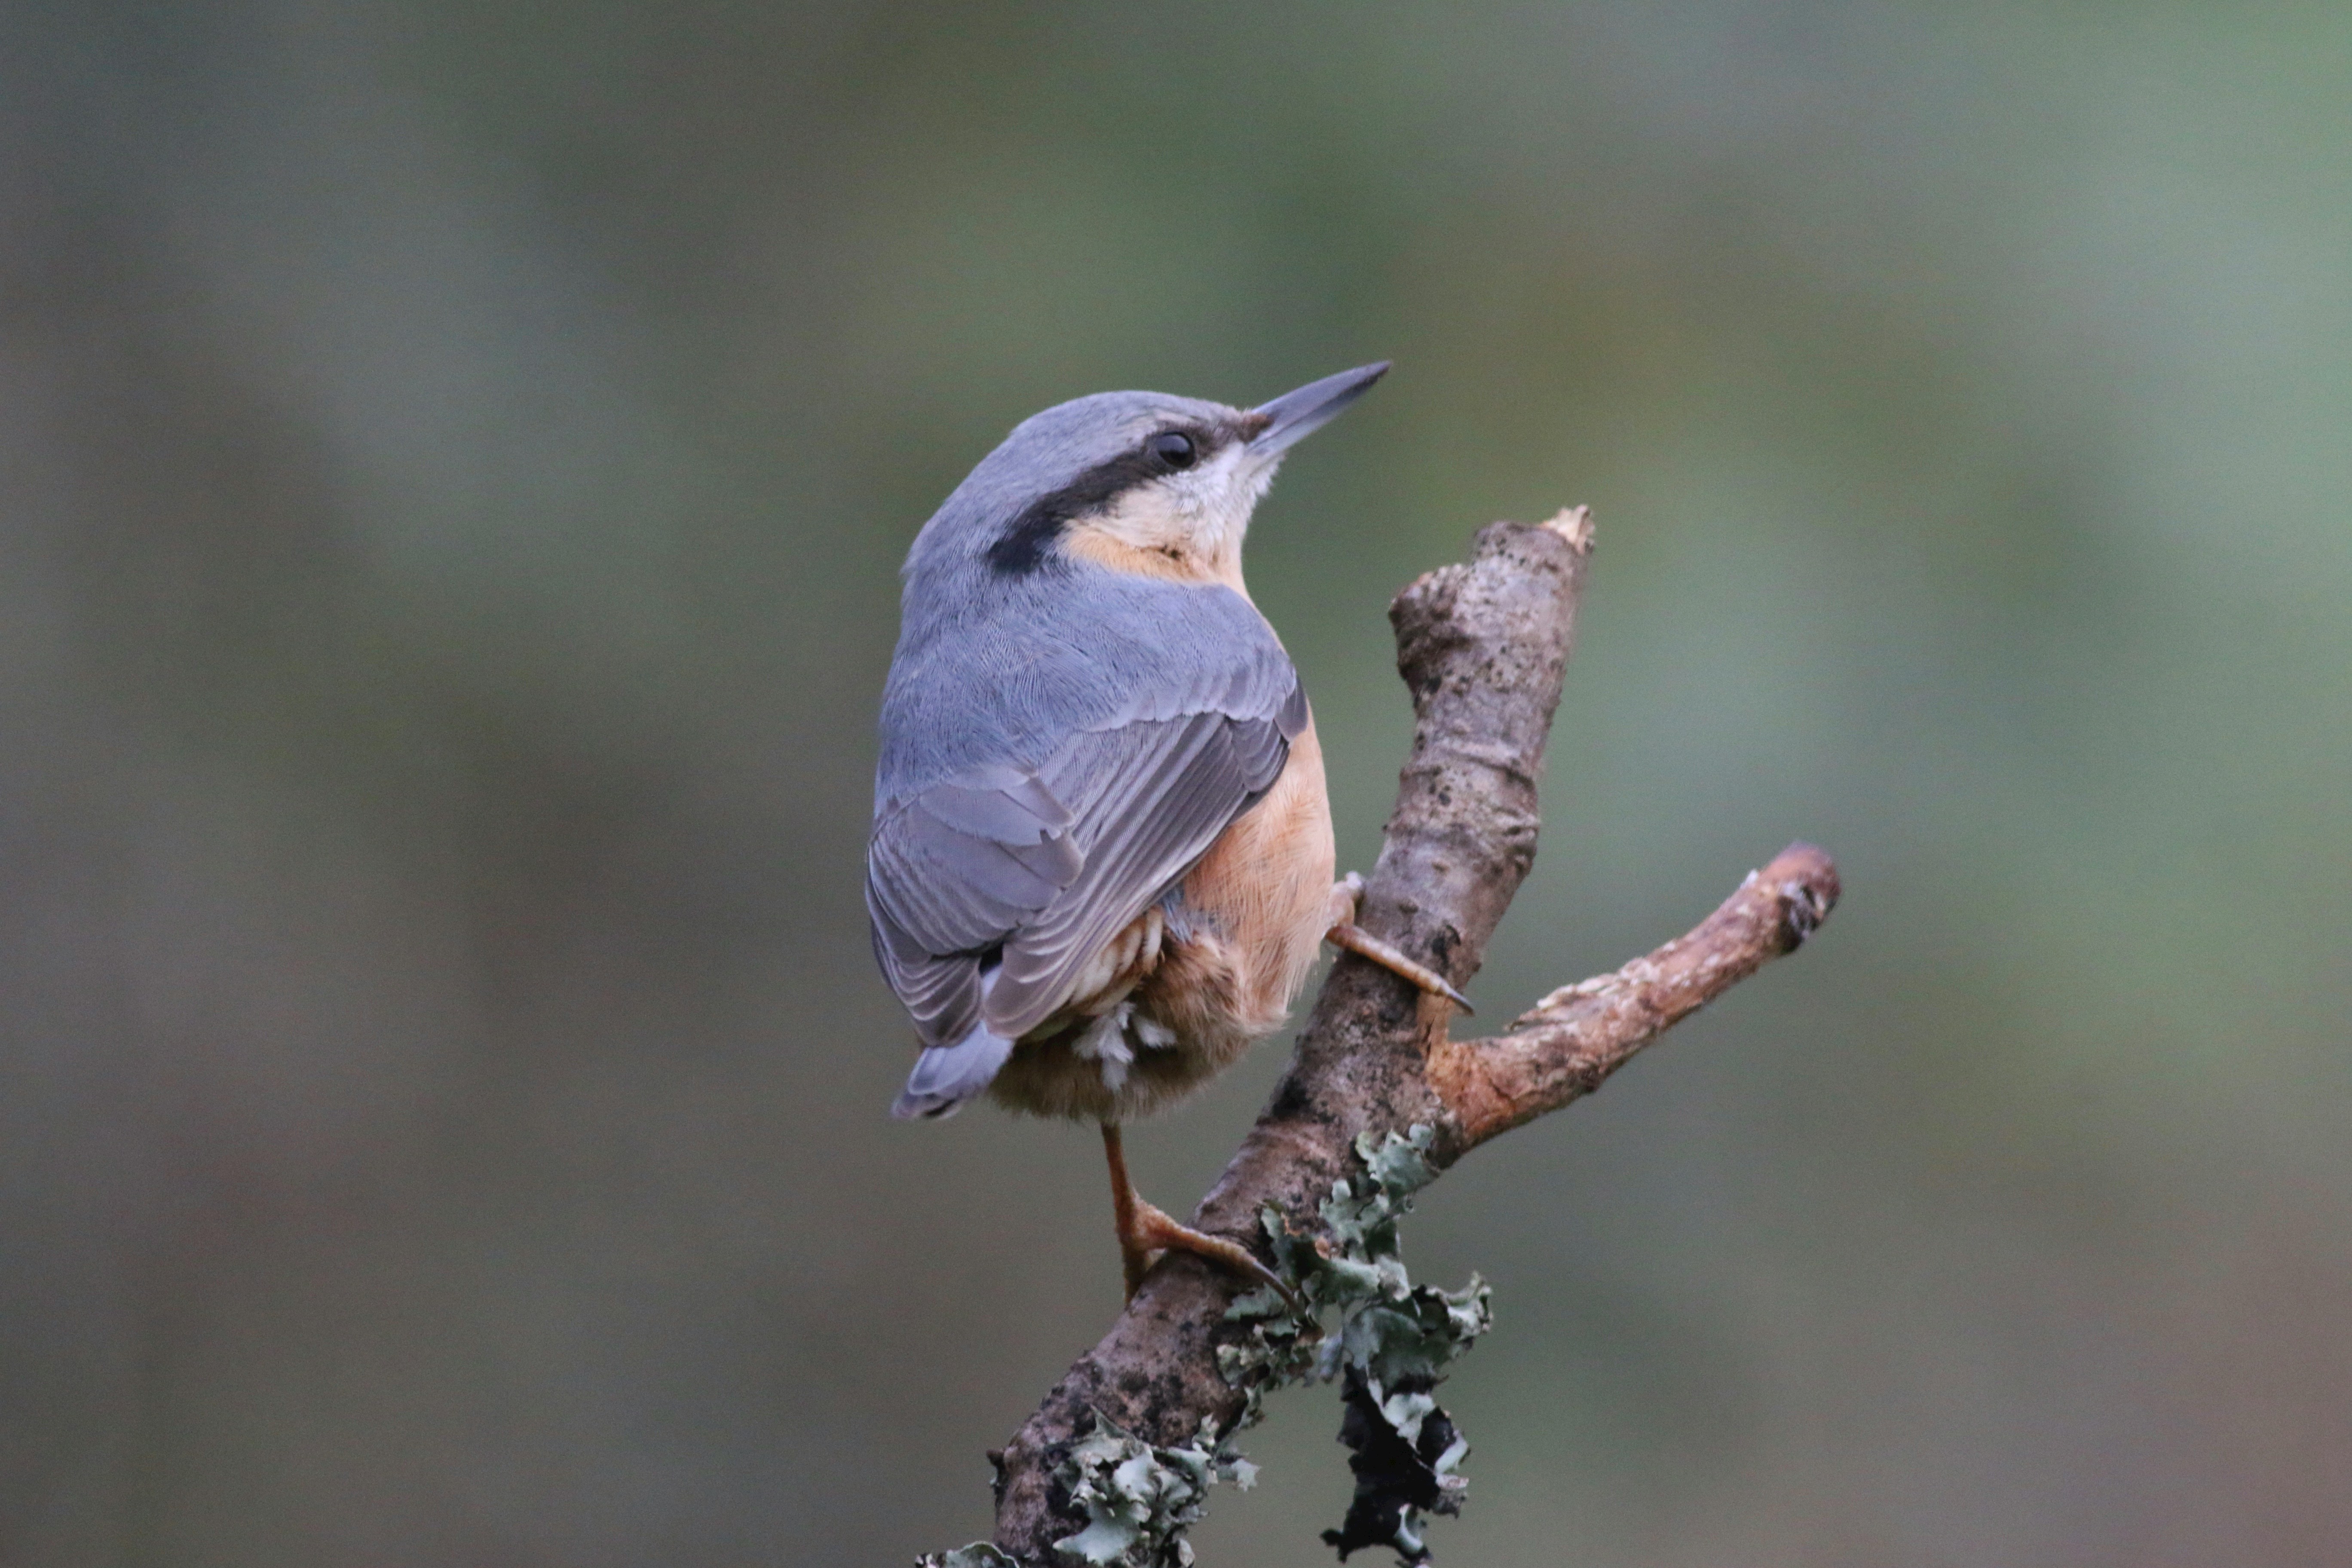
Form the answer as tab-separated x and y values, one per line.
453	466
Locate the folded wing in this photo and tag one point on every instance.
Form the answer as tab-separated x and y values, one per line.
1030	870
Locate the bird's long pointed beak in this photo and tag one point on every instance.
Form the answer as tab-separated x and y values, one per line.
1294	416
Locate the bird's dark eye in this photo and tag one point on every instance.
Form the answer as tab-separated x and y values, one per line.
1174	449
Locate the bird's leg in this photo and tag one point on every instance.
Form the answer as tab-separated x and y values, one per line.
1345	932
1145	1231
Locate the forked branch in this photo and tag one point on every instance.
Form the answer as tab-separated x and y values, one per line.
1483	646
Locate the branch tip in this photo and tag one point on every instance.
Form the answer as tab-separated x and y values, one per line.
1574	523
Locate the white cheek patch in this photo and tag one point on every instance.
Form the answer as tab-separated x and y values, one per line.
1218	497
1154	516
1203	512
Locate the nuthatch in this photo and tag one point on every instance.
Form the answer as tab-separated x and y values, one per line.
1101	858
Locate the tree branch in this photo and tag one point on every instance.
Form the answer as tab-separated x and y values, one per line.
1563	1047
1483	646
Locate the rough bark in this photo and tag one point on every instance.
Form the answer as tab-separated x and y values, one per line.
1483	646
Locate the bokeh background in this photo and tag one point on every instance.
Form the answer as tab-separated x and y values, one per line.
453	466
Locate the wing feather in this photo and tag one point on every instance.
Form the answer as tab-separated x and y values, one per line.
1031	870
1178	782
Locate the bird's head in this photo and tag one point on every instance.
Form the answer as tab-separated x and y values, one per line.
1132	481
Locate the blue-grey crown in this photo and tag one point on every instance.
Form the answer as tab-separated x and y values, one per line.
1057	464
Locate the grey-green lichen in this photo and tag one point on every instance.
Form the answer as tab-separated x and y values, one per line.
1389	1347
1137	1498
979	1554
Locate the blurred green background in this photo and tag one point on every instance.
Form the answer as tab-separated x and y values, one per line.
454	462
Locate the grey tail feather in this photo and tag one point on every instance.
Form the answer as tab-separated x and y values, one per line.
947	1075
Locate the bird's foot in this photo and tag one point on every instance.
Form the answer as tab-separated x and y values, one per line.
1146	1231
1345	932
1154	1232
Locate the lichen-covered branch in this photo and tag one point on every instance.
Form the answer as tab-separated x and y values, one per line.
1483	646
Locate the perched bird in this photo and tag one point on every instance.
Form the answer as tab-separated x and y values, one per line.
1101	857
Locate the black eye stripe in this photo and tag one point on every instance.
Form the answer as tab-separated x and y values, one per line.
1026	543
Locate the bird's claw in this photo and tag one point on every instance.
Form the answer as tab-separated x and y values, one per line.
1156	1232
1358	941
